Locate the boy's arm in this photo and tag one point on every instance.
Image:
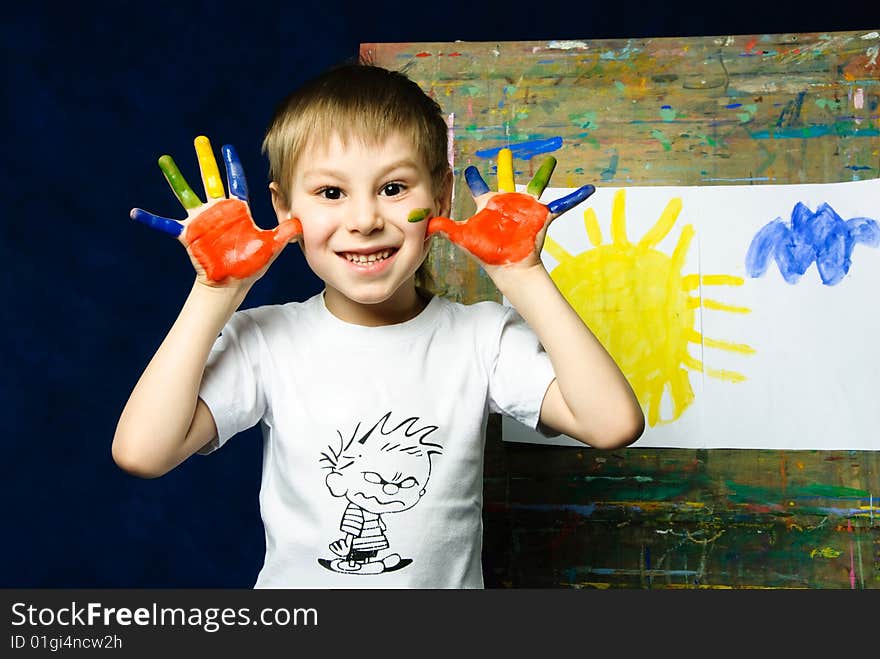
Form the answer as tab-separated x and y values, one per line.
164	420
590	398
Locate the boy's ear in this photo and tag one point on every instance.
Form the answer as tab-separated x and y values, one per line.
279	203
444	199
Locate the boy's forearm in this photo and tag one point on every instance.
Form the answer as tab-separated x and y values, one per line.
596	393
159	413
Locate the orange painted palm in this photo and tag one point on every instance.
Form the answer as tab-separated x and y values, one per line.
509	226
220	235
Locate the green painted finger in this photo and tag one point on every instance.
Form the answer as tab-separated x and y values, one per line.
182	191
541	178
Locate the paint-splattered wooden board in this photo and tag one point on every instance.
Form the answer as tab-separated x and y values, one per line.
761	109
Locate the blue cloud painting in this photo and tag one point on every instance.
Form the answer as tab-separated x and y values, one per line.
822	237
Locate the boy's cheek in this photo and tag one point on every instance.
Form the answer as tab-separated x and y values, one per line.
417	229
313	230
419	233
308	242
307	239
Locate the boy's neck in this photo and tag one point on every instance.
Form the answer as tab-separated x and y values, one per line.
404	305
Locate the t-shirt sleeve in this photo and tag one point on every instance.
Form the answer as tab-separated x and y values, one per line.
231	385
521	373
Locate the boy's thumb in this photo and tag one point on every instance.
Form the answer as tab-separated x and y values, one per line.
444	225
287	230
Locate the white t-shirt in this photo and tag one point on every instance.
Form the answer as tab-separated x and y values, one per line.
373	437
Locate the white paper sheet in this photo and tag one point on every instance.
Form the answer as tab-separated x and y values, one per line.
770	363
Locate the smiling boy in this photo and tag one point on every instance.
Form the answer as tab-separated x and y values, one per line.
359	178
358	198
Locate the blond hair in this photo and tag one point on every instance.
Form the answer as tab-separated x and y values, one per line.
355	101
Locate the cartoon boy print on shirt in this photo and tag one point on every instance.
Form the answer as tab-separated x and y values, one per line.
384	470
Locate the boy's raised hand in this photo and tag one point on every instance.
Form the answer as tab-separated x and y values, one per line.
509	227
220	235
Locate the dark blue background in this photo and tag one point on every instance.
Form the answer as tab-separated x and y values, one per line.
93	94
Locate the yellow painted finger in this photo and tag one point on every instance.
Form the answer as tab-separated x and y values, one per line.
208	166
505	171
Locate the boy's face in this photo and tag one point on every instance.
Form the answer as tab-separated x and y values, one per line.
354	202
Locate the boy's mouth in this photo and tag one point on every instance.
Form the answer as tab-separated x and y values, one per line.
372	257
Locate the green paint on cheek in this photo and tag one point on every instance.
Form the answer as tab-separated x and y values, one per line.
418	214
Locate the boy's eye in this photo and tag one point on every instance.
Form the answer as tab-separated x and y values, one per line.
407	482
393	189
372	477
330	193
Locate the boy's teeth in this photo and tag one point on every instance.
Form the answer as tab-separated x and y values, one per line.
368	258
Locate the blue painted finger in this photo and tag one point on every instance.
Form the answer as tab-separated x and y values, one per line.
234	173
559	206
163	224
475	182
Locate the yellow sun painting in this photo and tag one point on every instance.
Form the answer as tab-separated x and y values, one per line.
640	305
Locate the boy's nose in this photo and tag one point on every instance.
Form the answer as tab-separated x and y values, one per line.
365	218
390	488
